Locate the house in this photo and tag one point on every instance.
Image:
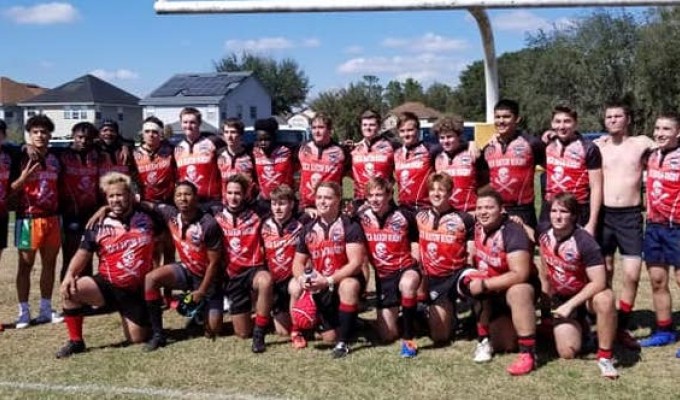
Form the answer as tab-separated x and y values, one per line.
217	95
86	98
11	94
425	114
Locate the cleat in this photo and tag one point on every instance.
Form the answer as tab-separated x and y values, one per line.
23	321
483	351
258	345
340	350
298	340
156	342
627	340
70	348
607	368
658	339
523	364
409	349
48	317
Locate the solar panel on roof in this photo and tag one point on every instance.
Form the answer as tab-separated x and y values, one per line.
195	85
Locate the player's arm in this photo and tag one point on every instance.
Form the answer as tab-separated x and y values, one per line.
30	168
80	260
213	242
597	277
519	264
595	179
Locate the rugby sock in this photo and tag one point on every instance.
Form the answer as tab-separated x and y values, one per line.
625	310
422	298
408	316
155	308
347	315
73	319
261	321
527	344
604	353
482	331
665	325
152	295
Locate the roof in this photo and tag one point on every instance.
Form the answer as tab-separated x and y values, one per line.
12	92
207	88
419	109
87	89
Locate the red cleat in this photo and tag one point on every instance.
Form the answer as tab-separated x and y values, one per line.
523	364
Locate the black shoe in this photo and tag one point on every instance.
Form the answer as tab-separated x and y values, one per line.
156	342
340	350
258	340
70	348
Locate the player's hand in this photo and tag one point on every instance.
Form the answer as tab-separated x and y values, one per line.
316	283
32	152
69	287
97	217
29	169
563	311
197	295
473	150
548	135
590	228
476	287
123	155
516	219
349	143
311	212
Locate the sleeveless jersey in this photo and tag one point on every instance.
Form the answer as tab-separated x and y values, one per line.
663	187
279	246
492	248
242	241
371	158
462	168
567	166
274	169
319	164
40	195
443	241
412	166
196	162
156	173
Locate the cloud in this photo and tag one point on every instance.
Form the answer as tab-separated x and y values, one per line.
424	67
117	75
46	64
43	14
354	50
429	42
268	44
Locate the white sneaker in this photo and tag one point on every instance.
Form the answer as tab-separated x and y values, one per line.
226	304
48	316
607	368
23	321
483	351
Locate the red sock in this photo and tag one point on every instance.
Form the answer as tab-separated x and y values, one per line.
348	308
664	325
482	331
602	353
409	301
152	295
422	297
625	307
261	321
74	326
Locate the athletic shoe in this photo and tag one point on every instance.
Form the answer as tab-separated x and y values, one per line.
156	342
226	304
523	364
298	340
483	351
47	317
607	368
409	349
627	340
258	345
658	339
23	321
70	348
340	350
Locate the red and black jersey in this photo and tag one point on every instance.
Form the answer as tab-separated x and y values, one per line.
512	166
389	239
319	164
124	248
492	248
156	173
371	158
663	186
39	197
443	241
412	166
8	172
280	242
235	163
196	163
109	156
326	245
243	247
567	166
567	260
273	169
462	167
79	183
192	239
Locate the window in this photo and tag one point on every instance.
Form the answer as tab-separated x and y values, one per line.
239	111
120	113
75	112
223	116
31	112
253	112
9	114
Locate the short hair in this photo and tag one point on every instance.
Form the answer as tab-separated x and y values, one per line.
449	123
325	118
86	128
488	192
188	184
508	105
671	115
155	120
568	200
268	125
234	123
115	178
191	111
370	114
627	111
337	190
241	180
565	110
441	178
282	192
407	116
40	120
108	122
3	126
378	182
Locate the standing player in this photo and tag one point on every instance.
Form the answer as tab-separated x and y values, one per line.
576	281
511	158
7	170
196	157
321	160
37	225
392	239
662	236
444	237
335	247
115	154
234	158
123	242
274	163
458	162
198	240
247	274
573	165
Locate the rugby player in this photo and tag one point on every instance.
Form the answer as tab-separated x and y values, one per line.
335	246
444	237
7	170
123	242
392	240
234	158
115	153
274	163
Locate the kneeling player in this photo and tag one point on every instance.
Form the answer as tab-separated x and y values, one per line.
576	281
392	238
501	288
123	241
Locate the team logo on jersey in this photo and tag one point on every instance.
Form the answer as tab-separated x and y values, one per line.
195	236
395	225
434	295
204	147
381	252
451	226
569	256
674	162
519	150
142	223
466	159
336	235
333	156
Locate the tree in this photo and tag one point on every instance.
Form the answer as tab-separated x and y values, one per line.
287	84
394	94
439	96
413	90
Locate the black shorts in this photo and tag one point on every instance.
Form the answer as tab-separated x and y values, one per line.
239	290
579	314
327	304
621	228
129	303
442	288
281	297
387	289
74	225
4	222
499	300
187	281
525	211
583	213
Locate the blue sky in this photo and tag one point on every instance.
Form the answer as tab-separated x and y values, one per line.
126	43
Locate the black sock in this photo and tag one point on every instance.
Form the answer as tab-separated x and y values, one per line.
347	323
408	316
155	309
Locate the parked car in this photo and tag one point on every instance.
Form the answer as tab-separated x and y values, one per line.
287	136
